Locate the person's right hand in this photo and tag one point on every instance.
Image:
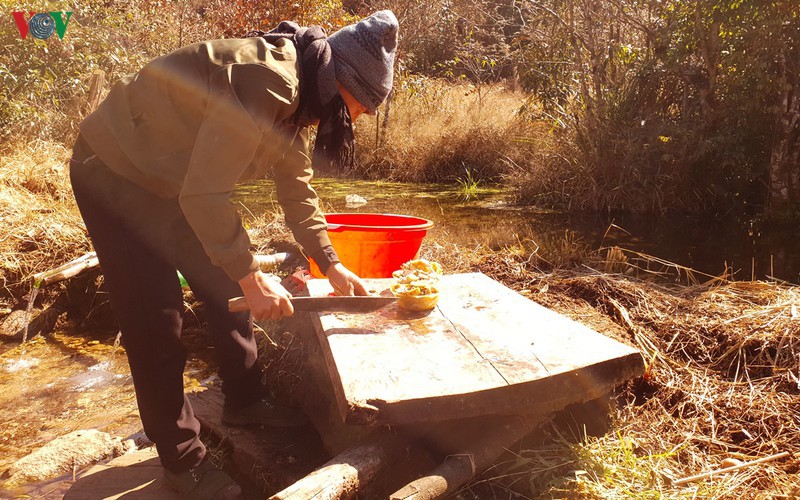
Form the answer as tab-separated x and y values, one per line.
267	298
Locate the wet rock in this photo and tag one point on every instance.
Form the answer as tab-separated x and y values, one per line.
12	323
354	200
42	323
76	449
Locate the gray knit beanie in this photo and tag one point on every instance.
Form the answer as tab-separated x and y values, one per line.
363	54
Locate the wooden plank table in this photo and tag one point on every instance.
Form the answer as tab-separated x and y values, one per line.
484	350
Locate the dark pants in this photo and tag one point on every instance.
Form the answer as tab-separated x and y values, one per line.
140	240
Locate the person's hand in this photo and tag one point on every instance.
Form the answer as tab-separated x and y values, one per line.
267	298
344	281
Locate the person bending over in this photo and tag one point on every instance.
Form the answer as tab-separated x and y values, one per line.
152	172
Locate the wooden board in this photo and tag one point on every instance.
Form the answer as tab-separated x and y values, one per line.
483	350
267	459
134	475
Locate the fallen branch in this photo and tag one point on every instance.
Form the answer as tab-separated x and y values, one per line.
705	475
68	270
88	261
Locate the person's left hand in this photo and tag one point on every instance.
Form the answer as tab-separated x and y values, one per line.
344	281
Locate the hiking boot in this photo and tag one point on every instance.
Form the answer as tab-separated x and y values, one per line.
264	413
204	482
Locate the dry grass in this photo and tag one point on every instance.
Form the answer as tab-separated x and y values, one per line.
441	131
722	382
41	226
39	221
618	163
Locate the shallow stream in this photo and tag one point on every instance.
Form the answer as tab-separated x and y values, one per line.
51	387
487	218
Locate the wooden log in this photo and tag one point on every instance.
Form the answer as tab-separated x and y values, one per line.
454	471
458	468
346	474
89	261
484	350
65	271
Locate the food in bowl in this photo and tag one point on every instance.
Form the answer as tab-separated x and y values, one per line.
416	285
418	302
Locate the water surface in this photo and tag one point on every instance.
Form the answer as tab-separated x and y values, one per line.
488	219
51	387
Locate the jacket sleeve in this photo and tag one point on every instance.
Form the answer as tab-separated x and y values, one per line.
300	204
245	101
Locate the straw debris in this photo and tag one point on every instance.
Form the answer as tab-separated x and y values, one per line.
39	220
722	383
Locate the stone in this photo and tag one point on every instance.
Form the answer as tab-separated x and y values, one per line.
42	322
74	450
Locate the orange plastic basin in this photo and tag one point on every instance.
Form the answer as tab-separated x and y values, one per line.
374	245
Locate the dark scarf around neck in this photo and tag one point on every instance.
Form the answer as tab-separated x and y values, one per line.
320	100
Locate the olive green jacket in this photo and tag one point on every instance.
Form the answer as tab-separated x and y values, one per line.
193	123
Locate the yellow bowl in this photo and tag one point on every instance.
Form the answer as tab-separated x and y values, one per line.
418	302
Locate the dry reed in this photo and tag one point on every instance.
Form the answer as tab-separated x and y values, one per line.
39	221
439	131
722	382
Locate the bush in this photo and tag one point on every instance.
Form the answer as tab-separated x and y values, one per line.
44	83
439	131
640	153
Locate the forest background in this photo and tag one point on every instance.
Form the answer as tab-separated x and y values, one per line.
650	106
